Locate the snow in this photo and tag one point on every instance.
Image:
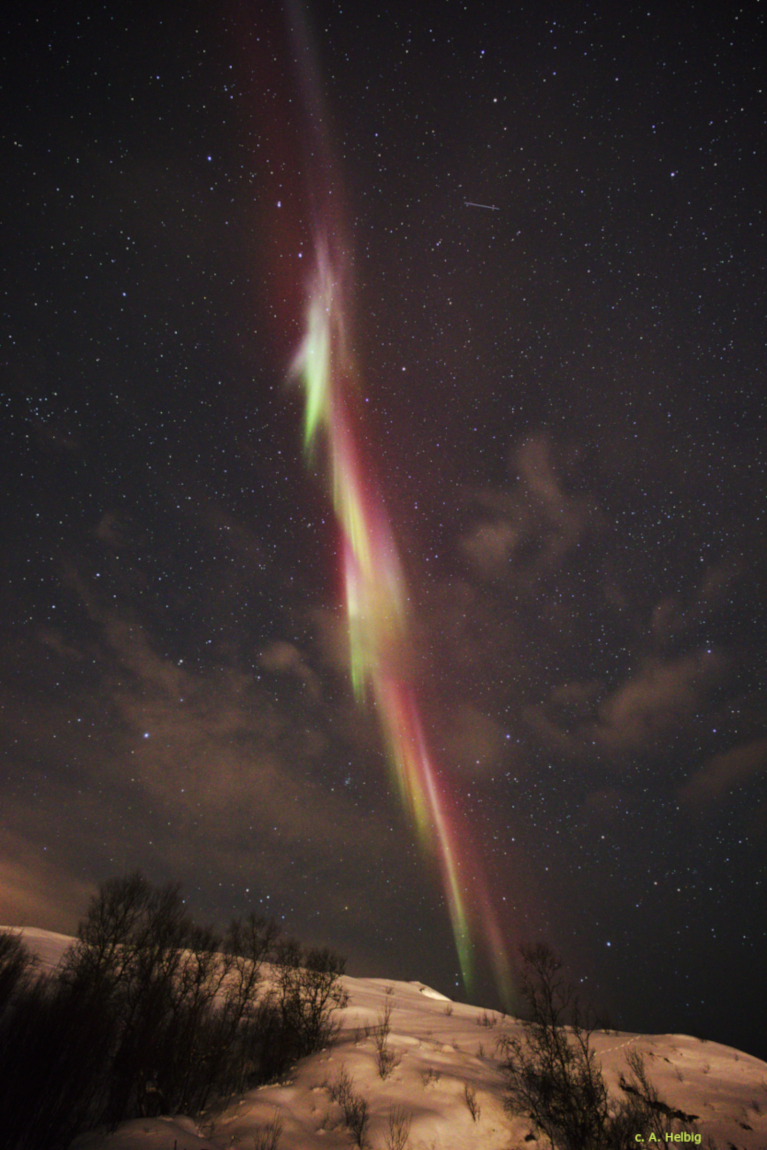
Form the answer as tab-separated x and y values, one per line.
440	1050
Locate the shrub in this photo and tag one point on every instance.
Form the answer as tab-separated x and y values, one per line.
386	1061
353	1106
298	1012
53	1053
268	1136
16	966
470	1096
398	1131
553	1079
551	1076
150	1013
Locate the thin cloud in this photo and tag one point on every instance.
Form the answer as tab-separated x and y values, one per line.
37	890
285	658
656	702
533	526
475	743
725	771
674	615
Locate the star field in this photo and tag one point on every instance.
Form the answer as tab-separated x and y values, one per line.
564	403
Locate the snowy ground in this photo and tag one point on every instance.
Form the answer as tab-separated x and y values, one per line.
443	1053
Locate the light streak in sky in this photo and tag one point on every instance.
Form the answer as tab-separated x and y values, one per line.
376	592
377	615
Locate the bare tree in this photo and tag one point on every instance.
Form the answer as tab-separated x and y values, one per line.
150	1013
552	1076
309	990
17	965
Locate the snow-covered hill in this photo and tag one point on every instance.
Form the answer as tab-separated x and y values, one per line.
443	1064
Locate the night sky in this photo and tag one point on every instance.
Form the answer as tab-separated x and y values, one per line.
564	402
